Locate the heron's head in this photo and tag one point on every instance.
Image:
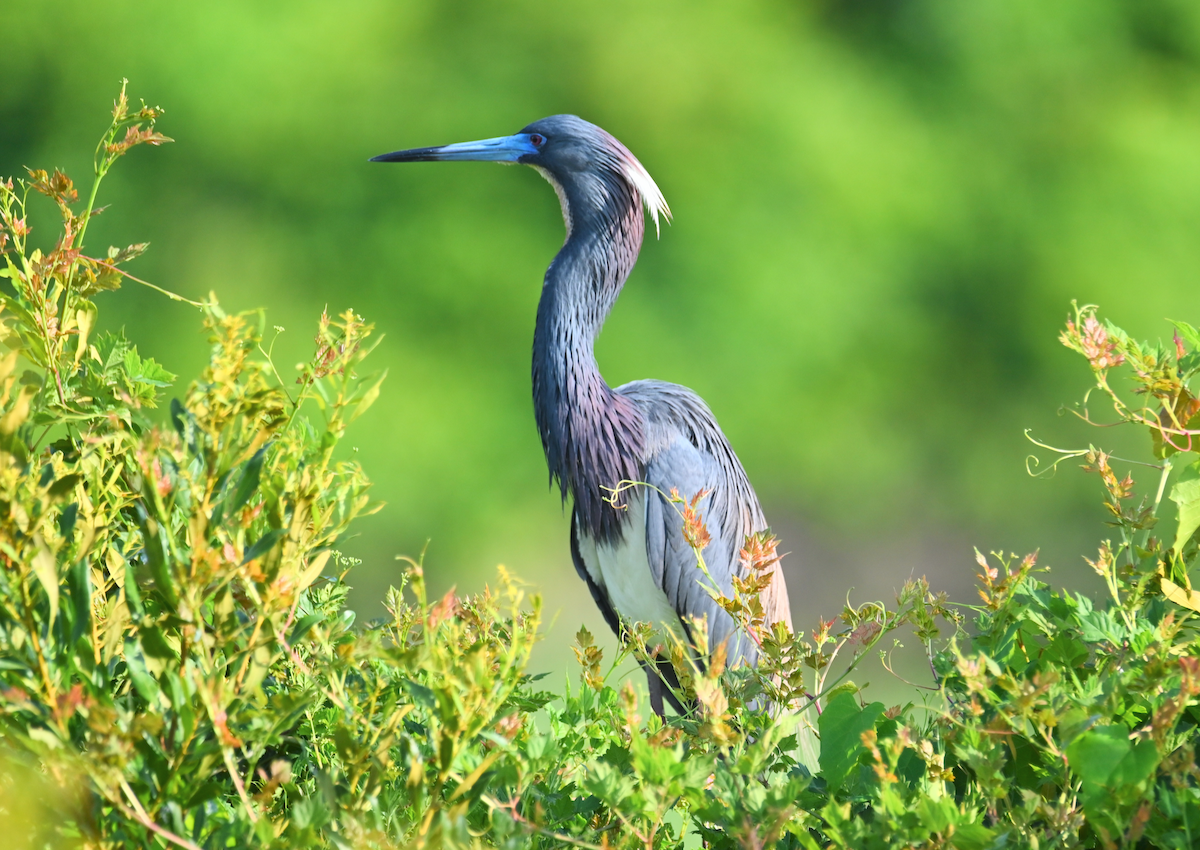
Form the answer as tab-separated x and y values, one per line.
577	157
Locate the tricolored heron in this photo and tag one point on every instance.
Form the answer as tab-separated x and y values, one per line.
635	561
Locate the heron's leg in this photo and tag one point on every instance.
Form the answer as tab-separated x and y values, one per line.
664	686
656	691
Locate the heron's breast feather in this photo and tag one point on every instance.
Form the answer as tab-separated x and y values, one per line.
623	571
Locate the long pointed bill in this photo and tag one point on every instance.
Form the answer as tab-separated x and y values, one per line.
503	149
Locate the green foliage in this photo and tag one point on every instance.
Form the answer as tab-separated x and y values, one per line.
882	208
178	666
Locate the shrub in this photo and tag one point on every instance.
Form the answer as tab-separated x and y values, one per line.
178	667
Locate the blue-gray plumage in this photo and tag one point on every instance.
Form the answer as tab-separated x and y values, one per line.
636	561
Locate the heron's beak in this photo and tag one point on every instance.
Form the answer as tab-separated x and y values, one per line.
503	149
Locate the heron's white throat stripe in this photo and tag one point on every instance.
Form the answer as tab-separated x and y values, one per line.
562	198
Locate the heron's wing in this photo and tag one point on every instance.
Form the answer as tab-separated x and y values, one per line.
686	451
673	563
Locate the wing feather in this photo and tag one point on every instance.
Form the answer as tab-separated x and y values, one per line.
686	451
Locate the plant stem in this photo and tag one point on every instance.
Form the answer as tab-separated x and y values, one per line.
174	296
139	814
87	212
1162	486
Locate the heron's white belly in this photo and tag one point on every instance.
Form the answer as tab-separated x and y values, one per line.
624	572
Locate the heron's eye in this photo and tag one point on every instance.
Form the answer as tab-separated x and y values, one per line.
538	140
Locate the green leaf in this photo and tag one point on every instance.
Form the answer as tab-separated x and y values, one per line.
1105	760
1186	495
248	483
64	486
841	726
184	422
146	371
67	520
264	829
133	598
936	815
1188	333
156	646
264	544
207	791
972	836
158	557
1138	765
1101	627
1096	753
117	256
303	626
421	694
140	674
111	347
79	588
368	397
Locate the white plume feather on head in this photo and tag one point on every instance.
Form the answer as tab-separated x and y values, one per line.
652	196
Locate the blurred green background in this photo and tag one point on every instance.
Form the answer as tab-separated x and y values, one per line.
882	211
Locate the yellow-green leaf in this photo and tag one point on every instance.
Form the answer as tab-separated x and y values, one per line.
45	567
85	318
7	364
1179	595
18	413
313	570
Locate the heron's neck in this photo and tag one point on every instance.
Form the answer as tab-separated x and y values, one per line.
593	437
